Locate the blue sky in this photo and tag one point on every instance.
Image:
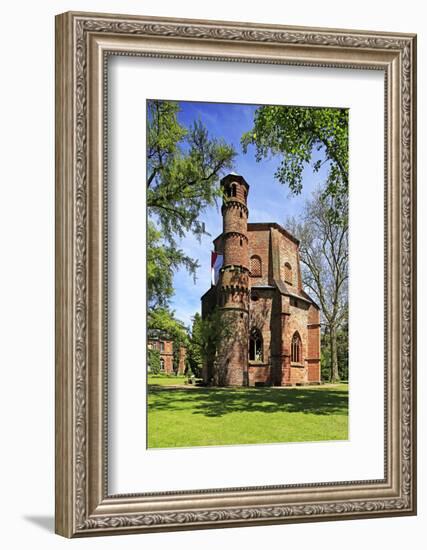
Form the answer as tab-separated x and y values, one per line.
268	200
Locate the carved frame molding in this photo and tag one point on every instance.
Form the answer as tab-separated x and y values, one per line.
83	43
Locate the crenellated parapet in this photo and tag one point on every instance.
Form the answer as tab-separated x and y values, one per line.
235	278
230	203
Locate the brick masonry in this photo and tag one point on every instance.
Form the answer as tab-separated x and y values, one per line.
261	297
165	348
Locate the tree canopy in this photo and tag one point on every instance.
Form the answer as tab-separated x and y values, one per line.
296	133
184	166
195	347
324	257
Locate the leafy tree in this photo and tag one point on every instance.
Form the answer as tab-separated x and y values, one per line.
183	169
296	133
162	261
184	166
342	353
195	346
153	361
324	258
215	331
161	323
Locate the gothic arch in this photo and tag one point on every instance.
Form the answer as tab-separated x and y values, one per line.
255	345
296	348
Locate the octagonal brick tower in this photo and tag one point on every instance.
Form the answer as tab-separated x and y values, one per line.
232	366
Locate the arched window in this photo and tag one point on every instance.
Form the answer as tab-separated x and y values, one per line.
162	363
288	273
255	345
296	348
256	266
162	347
232	190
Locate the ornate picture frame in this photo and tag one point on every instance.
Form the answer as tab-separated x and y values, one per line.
84	42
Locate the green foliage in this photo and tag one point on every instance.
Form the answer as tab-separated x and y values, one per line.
162	261
342	354
295	133
215	329
184	166
194	351
207	335
162	324
324	262
153	361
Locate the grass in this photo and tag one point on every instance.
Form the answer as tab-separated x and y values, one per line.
187	417
166	380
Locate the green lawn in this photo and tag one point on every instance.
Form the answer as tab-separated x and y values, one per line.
166	380
187	417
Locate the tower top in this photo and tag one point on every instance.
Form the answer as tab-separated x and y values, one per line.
232	177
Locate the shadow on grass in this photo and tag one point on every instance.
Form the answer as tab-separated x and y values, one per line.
218	402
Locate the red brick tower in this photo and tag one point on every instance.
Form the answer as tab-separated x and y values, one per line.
232	366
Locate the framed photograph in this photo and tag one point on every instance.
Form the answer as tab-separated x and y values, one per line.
235	274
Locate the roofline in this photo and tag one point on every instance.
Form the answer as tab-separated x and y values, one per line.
207	292
310	299
263	287
234	177
267	225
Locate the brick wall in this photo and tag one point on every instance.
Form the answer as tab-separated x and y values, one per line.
236	250
259	375
168	363
234	217
313	353
288	251
259	245
182	358
231	366
247	302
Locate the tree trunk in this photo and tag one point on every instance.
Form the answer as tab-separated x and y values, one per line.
335	377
